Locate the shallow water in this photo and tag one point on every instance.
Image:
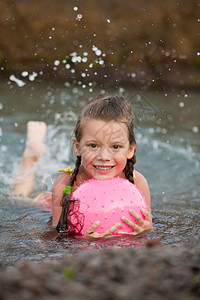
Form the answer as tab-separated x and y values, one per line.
167	154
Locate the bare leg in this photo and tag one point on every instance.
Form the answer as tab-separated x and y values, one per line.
34	148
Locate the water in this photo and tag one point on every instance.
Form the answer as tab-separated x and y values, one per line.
167	154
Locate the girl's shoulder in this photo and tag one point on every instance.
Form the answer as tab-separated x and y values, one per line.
64	177
62	180
140	179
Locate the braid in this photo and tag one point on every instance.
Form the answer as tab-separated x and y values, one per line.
76	170
72	180
70	207
129	168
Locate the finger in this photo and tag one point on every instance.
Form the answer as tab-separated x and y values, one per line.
111	229
92	228
137	217
146	214
127	233
130	223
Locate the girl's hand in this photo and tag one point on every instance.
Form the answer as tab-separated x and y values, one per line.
91	233
141	226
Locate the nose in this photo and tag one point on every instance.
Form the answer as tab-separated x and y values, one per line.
104	154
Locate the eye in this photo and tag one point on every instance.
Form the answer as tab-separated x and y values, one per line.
92	145
116	147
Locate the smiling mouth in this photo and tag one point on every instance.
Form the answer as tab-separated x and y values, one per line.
103	168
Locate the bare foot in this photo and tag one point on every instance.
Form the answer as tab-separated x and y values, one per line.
36	132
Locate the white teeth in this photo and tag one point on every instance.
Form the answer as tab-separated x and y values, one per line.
103	168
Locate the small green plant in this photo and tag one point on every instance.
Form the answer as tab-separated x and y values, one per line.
69	273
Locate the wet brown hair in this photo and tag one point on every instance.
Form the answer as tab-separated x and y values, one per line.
106	108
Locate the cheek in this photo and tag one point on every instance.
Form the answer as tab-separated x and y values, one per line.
87	155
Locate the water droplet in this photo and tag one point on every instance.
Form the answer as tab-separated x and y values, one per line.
195	129
94	48
56	62
108	21
84	59
79	17
32	76
19	82
67	66
181	104
24	73
113	212
98	52
75	8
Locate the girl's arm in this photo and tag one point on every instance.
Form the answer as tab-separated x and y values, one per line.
57	193
142	185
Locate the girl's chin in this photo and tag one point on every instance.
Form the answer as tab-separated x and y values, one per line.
101	175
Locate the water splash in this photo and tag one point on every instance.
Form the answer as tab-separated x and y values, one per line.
19	82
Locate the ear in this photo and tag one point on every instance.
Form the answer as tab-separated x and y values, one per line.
131	151
76	147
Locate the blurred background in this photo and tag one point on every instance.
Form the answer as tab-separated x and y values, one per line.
148	44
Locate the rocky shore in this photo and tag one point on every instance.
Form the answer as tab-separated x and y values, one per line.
145	273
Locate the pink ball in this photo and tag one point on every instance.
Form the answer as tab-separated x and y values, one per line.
107	201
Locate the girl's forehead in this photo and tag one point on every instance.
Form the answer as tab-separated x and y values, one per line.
104	129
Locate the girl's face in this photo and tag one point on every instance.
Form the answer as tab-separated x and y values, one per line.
104	148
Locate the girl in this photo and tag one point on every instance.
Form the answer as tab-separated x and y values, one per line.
105	147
